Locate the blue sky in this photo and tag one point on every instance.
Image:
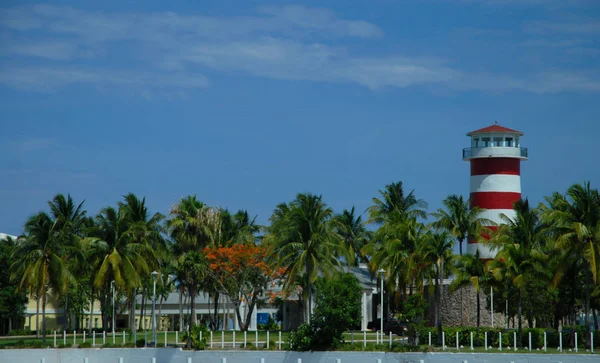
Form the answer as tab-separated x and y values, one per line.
247	103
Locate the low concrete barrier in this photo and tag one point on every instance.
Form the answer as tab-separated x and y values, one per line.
173	355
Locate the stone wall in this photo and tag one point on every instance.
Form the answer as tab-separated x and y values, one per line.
460	309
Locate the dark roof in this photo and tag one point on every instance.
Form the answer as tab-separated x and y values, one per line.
495	128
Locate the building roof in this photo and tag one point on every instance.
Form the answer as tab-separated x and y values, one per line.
495	128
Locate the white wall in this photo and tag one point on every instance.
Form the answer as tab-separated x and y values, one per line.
173	355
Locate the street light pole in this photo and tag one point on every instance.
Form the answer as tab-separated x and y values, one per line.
382	271
112	286
154	275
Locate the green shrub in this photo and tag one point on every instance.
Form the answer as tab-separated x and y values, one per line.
270	325
197	343
301	339
337	309
399	348
129	345
62	345
140	343
16	332
87	344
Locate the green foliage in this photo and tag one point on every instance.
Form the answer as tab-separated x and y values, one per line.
62	345
17	332
302	338
140	343
12	302
413	313
304	241
338	308
197	343
87	344
270	325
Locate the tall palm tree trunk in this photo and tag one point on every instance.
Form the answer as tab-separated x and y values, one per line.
158	318
192	315
142	325
180	309
439	301
309	302
90	322
587	302
37	317
44	315
520	329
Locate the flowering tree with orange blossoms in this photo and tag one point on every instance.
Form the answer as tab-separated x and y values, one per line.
243	273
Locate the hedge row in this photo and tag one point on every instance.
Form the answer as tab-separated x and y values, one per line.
537	337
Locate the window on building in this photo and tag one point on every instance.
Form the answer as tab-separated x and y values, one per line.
485	141
508	142
475	142
516	142
497	141
96	323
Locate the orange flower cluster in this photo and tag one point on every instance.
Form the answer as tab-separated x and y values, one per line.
238	259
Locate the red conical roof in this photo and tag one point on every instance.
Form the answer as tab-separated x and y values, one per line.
495	128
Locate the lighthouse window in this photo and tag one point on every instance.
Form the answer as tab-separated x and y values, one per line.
497	141
485	141
508	142
476	142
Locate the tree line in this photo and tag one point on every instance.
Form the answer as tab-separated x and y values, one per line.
546	263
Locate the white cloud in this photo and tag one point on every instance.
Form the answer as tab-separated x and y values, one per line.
580	27
50	79
166	53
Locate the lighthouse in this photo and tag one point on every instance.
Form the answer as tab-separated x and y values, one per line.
495	156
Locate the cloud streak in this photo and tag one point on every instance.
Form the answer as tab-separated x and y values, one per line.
167	52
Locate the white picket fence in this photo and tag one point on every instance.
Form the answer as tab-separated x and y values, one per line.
216	340
545	347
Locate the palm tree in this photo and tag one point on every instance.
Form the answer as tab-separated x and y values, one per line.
11	301
437	251
40	261
393	248
69	220
303	236
393	199
470	270
191	270
573	220
459	219
520	256
145	230
116	253
192	226
354	234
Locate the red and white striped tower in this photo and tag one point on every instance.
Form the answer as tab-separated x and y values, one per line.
495	156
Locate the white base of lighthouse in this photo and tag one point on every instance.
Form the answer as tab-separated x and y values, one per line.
486	251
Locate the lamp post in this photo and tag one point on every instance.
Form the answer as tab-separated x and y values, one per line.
112	287
381	271
154	275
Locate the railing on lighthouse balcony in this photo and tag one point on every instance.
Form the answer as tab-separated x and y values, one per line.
495	152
